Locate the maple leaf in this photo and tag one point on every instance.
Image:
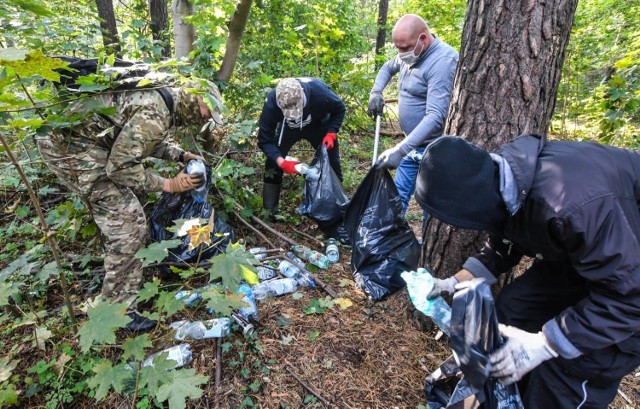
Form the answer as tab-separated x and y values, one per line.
107	377
104	319
156	375
6	368
344	303
223	303
134	347
7	290
199	235
149	290
156	252
233	266
168	304
183	385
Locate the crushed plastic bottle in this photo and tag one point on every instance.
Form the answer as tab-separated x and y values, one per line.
295	258
309	172
259	253
314	257
265	273
302	278
419	284
215	328
179	353
332	252
188	297
196	166
274	288
251	310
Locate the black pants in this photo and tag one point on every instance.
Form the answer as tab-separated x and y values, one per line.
589	381
273	173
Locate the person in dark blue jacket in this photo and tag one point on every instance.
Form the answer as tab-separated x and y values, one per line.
573	317
299	108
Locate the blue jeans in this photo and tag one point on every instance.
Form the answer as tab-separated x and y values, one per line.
406	174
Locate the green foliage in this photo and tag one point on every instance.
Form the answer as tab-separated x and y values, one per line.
104	319
108	377
233	266
182	385
135	347
319	306
156	252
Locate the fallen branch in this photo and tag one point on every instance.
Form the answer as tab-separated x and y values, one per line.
310	237
256	231
307	387
274	232
218	374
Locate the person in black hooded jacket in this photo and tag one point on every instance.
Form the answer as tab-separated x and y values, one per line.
572	319
299	108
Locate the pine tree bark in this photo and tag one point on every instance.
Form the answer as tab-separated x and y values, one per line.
236	30
159	22
184	33
109	27
383	10
506	84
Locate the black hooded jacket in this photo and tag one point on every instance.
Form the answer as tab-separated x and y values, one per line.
579	206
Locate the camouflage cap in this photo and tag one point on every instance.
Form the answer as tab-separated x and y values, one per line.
289	96
187	109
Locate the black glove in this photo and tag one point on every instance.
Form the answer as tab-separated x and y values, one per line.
376	104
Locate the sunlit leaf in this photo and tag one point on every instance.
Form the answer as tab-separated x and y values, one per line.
199	235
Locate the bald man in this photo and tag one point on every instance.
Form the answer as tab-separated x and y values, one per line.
427	67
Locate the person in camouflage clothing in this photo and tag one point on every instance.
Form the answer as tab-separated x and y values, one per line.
101	160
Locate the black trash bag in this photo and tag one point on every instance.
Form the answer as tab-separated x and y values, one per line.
174	206
446	388
323	198
383	244
474	336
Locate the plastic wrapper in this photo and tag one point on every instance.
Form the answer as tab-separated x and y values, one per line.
323	198
383	244
174	206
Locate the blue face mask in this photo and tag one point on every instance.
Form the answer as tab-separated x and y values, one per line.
409	57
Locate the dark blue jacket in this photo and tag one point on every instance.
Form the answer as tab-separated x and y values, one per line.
323	111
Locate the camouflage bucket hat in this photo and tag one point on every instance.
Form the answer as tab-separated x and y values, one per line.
187	109
289	98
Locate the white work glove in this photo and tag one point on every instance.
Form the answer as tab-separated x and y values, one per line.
446	286
390	159
522	352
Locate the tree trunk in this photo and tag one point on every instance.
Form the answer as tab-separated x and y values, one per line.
236	29
159	22
383	9
184	33
108	25
505	86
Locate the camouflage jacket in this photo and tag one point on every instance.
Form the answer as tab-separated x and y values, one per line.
137	130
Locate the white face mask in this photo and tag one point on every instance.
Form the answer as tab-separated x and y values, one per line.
409	57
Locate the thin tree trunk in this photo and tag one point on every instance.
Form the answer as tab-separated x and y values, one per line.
236	29
159	22
381	38
506	85
108	25
184	33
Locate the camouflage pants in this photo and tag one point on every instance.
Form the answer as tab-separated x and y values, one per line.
80	164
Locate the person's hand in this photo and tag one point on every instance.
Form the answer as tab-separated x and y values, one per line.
376	104
329	139
288	166
522	352
183	182
446	286
390	159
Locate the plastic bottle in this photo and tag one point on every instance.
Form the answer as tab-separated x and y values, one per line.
419	284
251	310
215	328
314	257
302	278
295	258
179	353
265	273
196	166
274	288
259	252
188	297
309	172
332	252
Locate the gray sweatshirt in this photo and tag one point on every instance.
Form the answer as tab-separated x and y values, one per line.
424	92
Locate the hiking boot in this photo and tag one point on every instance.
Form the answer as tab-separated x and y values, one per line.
140	323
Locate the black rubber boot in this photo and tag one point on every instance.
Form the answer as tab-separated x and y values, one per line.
140	323
271	198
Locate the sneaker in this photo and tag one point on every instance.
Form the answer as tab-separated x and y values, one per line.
140	323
